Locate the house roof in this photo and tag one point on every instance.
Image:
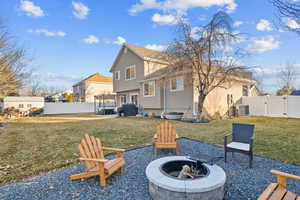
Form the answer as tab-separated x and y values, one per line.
97	78
23	99
147	53
143	53
169	71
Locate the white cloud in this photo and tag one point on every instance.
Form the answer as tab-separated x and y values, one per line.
50	76
47	33
156	47
80	10
296	65
120	40
181	6
237	23
264	25
265	71
264	44
292	24
30	9
91	39
164	19
196	32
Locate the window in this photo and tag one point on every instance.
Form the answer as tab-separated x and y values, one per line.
29	105
229	99
177	84
130	73
245	90
149	89
123	99
117	75
134	99
21	105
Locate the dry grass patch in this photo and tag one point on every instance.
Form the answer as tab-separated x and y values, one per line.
34	145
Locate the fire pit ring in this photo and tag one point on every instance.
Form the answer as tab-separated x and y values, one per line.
164	187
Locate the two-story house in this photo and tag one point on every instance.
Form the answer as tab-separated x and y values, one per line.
139	77
96	84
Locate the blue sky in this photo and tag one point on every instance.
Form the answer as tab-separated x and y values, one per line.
68	40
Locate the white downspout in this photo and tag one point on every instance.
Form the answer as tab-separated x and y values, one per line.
165	95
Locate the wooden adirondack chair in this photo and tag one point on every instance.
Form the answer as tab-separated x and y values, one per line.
166	137
277	191
91	154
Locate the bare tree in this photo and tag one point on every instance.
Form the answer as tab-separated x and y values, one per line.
35	87
259	77
209	53
12	73
286	79
289	14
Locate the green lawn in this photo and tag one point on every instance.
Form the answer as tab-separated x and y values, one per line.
34	145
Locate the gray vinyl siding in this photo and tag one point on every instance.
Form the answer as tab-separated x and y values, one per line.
126	60
179	101
153	102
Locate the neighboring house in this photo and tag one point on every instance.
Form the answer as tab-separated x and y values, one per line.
94	85
23	103
59	97
140	76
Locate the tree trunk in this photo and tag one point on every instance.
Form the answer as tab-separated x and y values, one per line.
200	113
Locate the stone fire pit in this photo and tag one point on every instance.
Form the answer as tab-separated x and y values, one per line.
166	186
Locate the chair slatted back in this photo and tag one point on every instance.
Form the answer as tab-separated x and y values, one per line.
242	132
90	147
166	133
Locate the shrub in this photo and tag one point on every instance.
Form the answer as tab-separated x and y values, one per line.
35	111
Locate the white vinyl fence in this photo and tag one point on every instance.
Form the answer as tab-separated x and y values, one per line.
68	108
274	106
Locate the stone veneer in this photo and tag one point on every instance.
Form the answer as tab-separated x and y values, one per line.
162	187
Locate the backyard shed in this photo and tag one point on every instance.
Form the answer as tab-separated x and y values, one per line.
23	103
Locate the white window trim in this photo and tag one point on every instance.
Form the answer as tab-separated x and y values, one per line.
133	94
125	96
153	90
118	72
131	66
176	90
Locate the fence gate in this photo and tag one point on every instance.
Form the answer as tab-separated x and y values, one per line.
274	106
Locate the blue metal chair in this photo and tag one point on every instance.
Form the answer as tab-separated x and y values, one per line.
242	140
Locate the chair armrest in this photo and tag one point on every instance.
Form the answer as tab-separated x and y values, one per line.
230	134
279	173
177	137
155	137
113	149
225	138
93	159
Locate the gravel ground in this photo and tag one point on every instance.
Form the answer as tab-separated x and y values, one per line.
242	182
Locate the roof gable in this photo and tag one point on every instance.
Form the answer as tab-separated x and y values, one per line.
98	78
142	53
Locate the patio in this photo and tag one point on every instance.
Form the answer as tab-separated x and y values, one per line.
242	182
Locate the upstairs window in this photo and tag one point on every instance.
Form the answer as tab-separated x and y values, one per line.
177	84
149	89
117	75
245	90
29	105
21	105
130	73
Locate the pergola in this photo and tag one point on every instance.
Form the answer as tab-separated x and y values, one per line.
105	101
